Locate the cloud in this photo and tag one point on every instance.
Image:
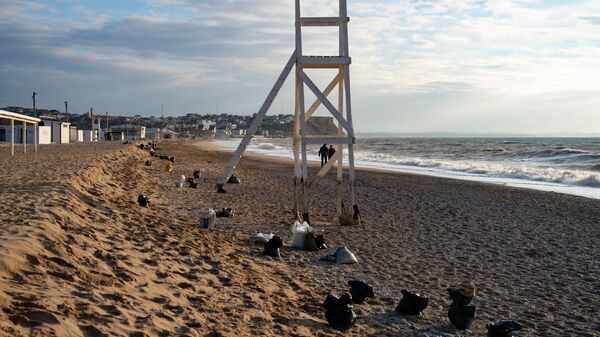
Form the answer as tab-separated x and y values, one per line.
161	50
594	20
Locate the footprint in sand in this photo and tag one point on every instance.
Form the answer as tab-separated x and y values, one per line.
33	318
91	331
111	309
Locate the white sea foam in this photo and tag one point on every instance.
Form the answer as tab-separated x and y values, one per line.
521	173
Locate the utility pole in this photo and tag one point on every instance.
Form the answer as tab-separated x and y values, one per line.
67	110
34	109
162	112
107	121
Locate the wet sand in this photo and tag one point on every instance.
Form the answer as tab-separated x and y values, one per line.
79	257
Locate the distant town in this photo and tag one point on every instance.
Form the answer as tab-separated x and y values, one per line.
187	126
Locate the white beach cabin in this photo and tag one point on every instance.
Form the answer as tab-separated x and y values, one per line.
60	131
7	129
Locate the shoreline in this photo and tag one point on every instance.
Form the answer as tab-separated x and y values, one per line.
550	187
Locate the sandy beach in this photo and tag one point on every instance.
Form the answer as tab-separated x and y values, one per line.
79	257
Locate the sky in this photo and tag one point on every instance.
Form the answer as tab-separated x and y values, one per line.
465	66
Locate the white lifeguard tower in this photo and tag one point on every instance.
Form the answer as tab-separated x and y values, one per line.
344	140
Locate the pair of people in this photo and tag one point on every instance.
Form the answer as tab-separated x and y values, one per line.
326	153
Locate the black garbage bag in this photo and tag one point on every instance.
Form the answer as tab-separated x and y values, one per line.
148	163
193	184
461	316
310	243
196	174
190	179
172	159
163	157
226	213
339	312
141	145
462	295
221	189
503	328
320	241
272	247
412	304
143	200
360	291
233	180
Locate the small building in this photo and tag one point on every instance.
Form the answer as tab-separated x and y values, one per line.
73	135
114	135
59	131
89	135
222	132
130	131
238	132
8	129
164	133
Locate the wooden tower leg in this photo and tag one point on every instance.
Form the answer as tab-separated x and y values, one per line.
301	108
297	140
340	147
304	180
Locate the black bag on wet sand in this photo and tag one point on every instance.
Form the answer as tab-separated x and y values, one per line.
226	213
339	312
309	242
462	295
461	316
412	304
148	163
196	174
233	180
360	291
272	247
320	241
143	200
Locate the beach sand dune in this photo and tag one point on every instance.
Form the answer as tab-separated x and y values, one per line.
79	257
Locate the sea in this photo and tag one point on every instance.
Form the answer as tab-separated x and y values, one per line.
563	165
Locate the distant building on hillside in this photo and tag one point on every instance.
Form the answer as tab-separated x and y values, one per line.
162	133
130	131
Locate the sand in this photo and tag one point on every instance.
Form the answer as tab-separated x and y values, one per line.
79	257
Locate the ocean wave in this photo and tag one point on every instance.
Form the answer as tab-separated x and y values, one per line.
561	151
267	146
492	169
568	165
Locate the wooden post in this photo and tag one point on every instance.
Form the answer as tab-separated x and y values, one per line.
340	147
12	136
345	50
296	145
24	136
35	137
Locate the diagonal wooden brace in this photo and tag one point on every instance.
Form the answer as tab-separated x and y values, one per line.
326	92
325	168
327	103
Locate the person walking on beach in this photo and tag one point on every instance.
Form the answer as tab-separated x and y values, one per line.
330	152
323	153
